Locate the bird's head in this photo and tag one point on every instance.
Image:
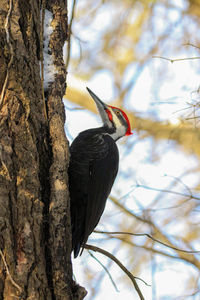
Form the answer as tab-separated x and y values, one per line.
114	119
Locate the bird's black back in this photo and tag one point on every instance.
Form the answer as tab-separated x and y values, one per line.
92	171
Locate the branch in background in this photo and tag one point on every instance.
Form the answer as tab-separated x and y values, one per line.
169	188
69	37
152	250
107	271
108	254
182	255
192	45
191	196
149	236
176	59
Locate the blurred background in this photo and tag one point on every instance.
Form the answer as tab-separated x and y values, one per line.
142	56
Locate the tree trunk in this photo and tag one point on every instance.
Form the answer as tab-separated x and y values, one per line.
35	233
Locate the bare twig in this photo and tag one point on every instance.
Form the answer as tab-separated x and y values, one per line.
149	236
8	272
106	253
181	182
176	59
6	26
191	196
150	249
107	271
192	45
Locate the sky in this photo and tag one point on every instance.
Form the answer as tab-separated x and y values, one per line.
182	82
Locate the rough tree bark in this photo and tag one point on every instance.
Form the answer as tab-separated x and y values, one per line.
35	233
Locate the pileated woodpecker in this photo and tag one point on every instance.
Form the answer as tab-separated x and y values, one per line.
92	170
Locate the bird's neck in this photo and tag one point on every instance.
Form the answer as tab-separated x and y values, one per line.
115	133
105	130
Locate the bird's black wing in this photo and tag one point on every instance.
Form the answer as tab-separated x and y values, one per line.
103	172
92	171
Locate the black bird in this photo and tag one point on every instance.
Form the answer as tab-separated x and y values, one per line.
92	170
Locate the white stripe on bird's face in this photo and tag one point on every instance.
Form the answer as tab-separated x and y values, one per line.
120	128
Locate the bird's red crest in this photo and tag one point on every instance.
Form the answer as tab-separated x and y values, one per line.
128	132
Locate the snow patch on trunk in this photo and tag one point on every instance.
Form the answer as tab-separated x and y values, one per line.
49	67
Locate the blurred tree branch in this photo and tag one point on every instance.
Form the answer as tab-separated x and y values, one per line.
161	236
183	134
108	254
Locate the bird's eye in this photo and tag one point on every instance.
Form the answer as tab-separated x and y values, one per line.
118	112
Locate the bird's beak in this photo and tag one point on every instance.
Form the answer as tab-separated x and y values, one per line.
98	102
102	107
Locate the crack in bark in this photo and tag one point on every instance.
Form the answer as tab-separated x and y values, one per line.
44	176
